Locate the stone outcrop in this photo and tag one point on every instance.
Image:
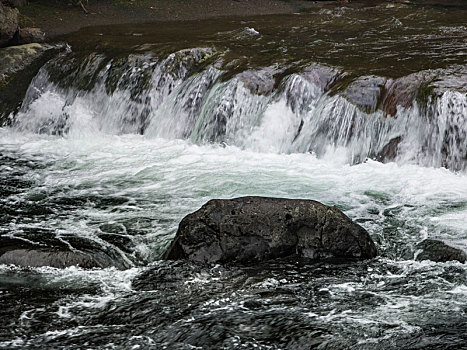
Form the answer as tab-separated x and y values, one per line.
249	229
52	258
259	82
18	65
16	58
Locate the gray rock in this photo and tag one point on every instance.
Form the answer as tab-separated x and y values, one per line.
53	258
365	92
14	251
303	89
435	250
321	76
8	24
258	82
389	152
454	79
251	229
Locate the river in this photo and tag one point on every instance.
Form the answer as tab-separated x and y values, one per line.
129	128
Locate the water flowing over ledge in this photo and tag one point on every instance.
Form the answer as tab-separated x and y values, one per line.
420	118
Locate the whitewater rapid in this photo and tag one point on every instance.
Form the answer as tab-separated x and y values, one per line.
157	181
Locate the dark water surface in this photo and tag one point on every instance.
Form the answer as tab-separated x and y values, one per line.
392	40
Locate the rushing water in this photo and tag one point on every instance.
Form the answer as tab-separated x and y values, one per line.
120	136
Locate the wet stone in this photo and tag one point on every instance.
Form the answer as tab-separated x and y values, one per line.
389	151
438	251
16	58
18	66
365	92
402	92
54	253
249	229
454	78
258	82
28	36
304	88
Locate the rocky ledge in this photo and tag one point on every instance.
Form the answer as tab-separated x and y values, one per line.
250	229
18	66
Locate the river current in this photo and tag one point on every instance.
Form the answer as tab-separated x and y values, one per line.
122	134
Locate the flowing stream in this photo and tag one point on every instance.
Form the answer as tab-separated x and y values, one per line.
127	129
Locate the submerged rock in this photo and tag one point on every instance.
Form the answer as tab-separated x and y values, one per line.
21	253
250	229
435	250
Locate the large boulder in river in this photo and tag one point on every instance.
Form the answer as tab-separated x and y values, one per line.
8	23
251	229
435	250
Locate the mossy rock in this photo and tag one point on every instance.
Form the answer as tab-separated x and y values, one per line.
18	66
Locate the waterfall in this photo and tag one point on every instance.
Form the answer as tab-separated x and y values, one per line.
189	94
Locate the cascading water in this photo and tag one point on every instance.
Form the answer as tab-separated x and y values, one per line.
119	137
183	96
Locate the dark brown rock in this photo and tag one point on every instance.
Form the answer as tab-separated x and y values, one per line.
29	36
18	65
389	152
251	229
402	92
16	3
8	24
